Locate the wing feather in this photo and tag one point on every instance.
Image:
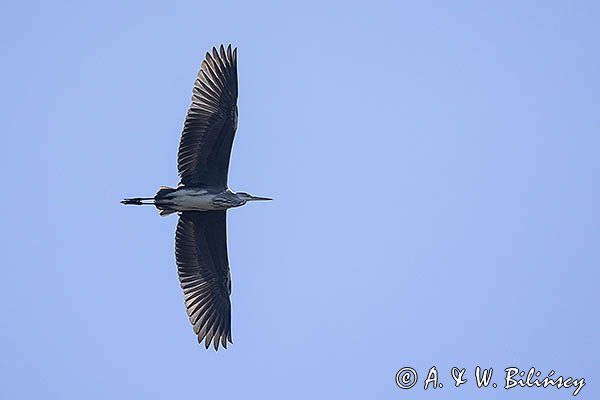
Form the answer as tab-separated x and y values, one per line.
210	124
203	269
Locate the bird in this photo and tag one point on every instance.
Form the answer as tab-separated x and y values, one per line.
203	197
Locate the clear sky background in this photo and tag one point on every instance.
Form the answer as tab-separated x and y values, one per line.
435	172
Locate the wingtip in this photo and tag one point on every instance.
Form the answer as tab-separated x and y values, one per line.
221	53
216	342
224	49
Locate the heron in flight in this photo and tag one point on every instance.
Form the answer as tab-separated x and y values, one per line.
202	198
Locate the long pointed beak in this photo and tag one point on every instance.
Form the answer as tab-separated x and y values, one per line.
252	198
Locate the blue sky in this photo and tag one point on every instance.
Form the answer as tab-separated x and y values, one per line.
435	173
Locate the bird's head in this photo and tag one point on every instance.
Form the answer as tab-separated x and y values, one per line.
248	197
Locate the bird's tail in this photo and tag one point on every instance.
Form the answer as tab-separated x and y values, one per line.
163	192
162	201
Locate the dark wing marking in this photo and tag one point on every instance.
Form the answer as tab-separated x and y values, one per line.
203	268
211	122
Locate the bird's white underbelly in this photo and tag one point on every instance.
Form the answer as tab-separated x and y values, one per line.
192	200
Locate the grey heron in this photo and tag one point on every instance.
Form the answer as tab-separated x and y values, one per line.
202	198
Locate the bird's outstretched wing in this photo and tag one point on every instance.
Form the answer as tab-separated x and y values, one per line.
211	122
203	268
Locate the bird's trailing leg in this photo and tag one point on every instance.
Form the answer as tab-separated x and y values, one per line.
139	201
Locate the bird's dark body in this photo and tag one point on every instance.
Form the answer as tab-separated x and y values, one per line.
203	197
169	200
